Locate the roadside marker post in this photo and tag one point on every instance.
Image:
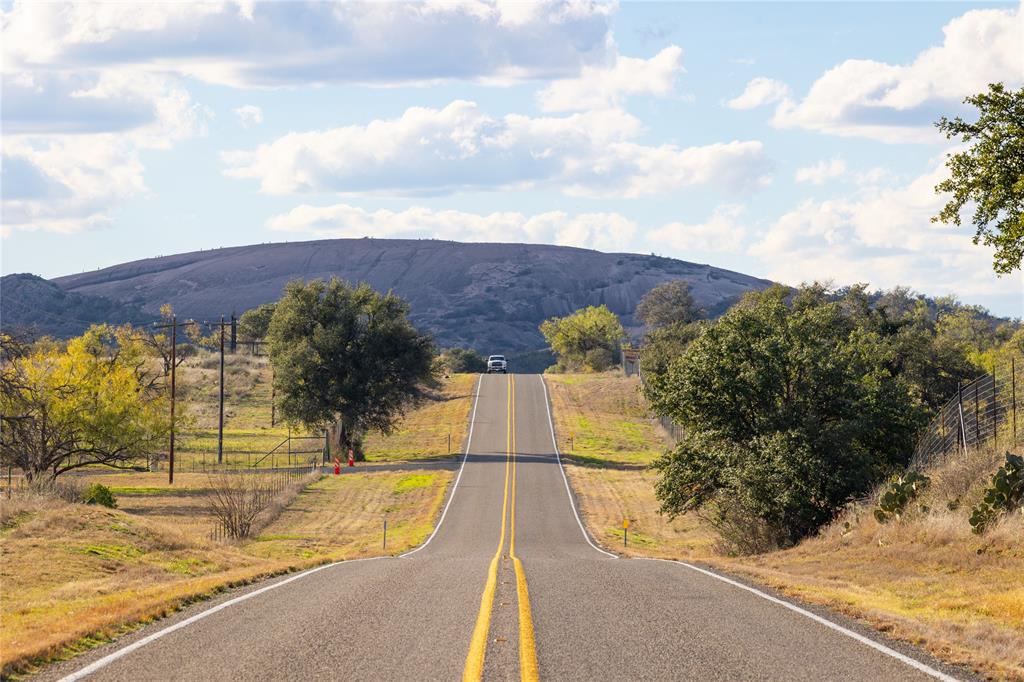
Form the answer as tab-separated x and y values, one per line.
385	532
351	458
625	532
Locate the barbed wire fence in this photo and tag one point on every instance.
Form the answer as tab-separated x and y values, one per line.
983	414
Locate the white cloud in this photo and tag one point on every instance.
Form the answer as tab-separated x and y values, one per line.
882	235
460	148
721	232
759	91
821	171
288	43
603	231
249	115
599	87
72	143
899	103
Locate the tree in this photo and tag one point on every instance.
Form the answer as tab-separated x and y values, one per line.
254	323
790	411
89	403
462	361
989	174
668	303
346	356
589	338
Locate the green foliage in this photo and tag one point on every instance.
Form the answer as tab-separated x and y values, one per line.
669	303
253	324
1005	495
791	410
897	494
91	402
573	337
100	494
462	361
664	344
989	175
348	356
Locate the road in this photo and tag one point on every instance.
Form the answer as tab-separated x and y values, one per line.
508	587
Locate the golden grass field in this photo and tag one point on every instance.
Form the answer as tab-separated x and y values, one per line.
73	576
925	579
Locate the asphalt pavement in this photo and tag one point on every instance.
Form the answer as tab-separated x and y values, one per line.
508	587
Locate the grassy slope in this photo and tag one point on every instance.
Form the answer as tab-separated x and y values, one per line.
926	579
71	574
608	441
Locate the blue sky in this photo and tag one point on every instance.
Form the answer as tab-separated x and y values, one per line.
785	140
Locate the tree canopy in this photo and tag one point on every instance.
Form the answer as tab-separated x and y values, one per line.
462	360
346	355
790	408
254	323
589	338
667	304
989	174
91	402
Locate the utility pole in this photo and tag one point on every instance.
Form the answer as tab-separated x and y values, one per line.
174	366
220	419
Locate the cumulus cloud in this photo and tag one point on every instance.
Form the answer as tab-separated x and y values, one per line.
249	115
72	142
882	235
597	87
721	232
286	43
900	102
821	171
759	91
459	147
602	231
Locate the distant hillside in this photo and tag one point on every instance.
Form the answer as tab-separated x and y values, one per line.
491	297
29	301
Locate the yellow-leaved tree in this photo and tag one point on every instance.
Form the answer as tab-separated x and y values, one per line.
92	401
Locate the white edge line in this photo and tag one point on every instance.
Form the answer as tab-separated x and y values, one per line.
913	663
561	467
110	658
465	454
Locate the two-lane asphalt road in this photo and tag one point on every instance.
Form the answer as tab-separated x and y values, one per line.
509	586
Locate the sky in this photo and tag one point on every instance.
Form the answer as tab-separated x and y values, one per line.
791	141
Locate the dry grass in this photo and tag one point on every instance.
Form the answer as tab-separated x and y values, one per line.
71	572
424	431
925	579
604	419
343	516
75	575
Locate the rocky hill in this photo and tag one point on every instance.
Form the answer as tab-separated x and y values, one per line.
490	297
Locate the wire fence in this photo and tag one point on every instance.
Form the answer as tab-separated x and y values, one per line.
982	414
267	487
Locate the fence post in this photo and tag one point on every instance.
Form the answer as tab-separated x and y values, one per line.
1013	394
977	420
995	408
961	434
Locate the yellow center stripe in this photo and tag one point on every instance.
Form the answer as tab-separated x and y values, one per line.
527	641
474	667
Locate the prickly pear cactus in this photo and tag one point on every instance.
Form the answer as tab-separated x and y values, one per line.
897	494
1006	494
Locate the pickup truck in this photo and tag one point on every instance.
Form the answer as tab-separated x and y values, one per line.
497	363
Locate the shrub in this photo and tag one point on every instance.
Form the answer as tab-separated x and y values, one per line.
101	495
599	359
1006	494
897	494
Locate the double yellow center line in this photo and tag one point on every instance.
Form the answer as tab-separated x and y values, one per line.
474	668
